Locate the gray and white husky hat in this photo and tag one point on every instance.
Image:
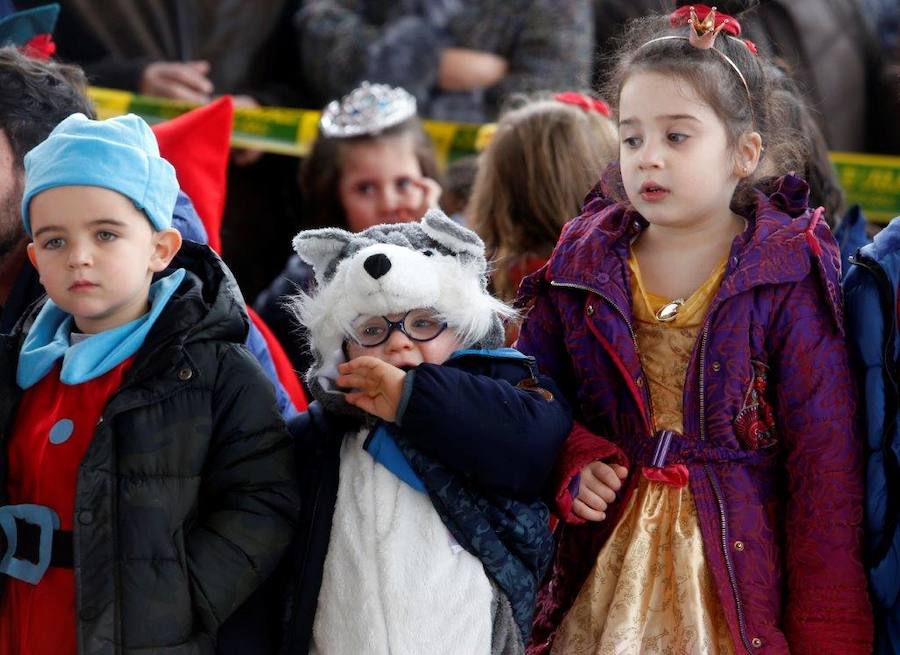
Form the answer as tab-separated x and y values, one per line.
391	269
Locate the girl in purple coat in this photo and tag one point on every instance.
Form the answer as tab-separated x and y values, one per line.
710	499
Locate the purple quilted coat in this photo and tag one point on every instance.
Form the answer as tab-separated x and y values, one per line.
770	439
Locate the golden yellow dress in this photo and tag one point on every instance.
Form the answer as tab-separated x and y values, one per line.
650	590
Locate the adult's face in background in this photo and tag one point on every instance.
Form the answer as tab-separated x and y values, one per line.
12	182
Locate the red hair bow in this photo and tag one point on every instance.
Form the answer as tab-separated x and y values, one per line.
682	16
585	102
40	47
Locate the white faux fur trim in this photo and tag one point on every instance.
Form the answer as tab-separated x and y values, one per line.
451	285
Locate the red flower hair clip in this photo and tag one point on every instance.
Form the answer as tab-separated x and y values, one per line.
40	47
586	102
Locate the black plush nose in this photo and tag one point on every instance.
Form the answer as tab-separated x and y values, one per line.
377	265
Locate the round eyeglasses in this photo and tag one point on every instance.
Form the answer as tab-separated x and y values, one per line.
417	324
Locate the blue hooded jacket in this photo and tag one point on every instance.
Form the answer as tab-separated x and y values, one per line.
851	235
870	289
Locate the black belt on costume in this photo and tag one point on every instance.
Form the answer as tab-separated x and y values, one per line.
28	545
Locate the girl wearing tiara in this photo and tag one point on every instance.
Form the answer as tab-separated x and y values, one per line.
710	494
371	163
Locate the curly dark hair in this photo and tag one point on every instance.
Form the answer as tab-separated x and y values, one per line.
35	96
717	83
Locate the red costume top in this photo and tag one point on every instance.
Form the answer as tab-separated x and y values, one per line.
53	429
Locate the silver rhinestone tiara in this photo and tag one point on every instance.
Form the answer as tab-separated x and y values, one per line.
368	109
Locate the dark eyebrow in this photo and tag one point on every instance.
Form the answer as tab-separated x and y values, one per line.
46	228
670	117
676	117
108	221
97	223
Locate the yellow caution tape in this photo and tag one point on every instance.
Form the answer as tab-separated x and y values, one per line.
872	181
277	130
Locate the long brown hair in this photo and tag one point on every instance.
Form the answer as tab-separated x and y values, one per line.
542	160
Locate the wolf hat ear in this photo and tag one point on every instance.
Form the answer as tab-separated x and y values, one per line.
320	248
451	235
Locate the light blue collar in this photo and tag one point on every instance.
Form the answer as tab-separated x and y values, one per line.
48	340
384	449
490	353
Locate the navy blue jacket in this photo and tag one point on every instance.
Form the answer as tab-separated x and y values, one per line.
870	290
475	419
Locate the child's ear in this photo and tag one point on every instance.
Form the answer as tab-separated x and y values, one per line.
748	154
166	244
32	257
451	235
319	248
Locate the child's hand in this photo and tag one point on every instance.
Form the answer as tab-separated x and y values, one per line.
597	489
376	385
431	194
463	69
420	196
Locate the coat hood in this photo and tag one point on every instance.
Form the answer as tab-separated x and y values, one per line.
885	251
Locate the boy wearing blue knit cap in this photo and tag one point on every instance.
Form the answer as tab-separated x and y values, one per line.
148	487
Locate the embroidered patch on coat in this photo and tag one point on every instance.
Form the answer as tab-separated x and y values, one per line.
755	423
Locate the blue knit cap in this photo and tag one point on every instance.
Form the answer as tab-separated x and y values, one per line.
120	154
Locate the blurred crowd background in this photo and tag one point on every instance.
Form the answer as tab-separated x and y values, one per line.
463	60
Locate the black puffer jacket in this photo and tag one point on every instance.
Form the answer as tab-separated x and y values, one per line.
186	497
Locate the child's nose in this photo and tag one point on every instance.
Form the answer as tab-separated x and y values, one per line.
389	202
649	156
79	255
398	341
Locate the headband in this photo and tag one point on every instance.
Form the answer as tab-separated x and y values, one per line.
703	33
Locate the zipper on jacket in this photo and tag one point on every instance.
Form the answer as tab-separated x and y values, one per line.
720	498
732	578
624	316
704	336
